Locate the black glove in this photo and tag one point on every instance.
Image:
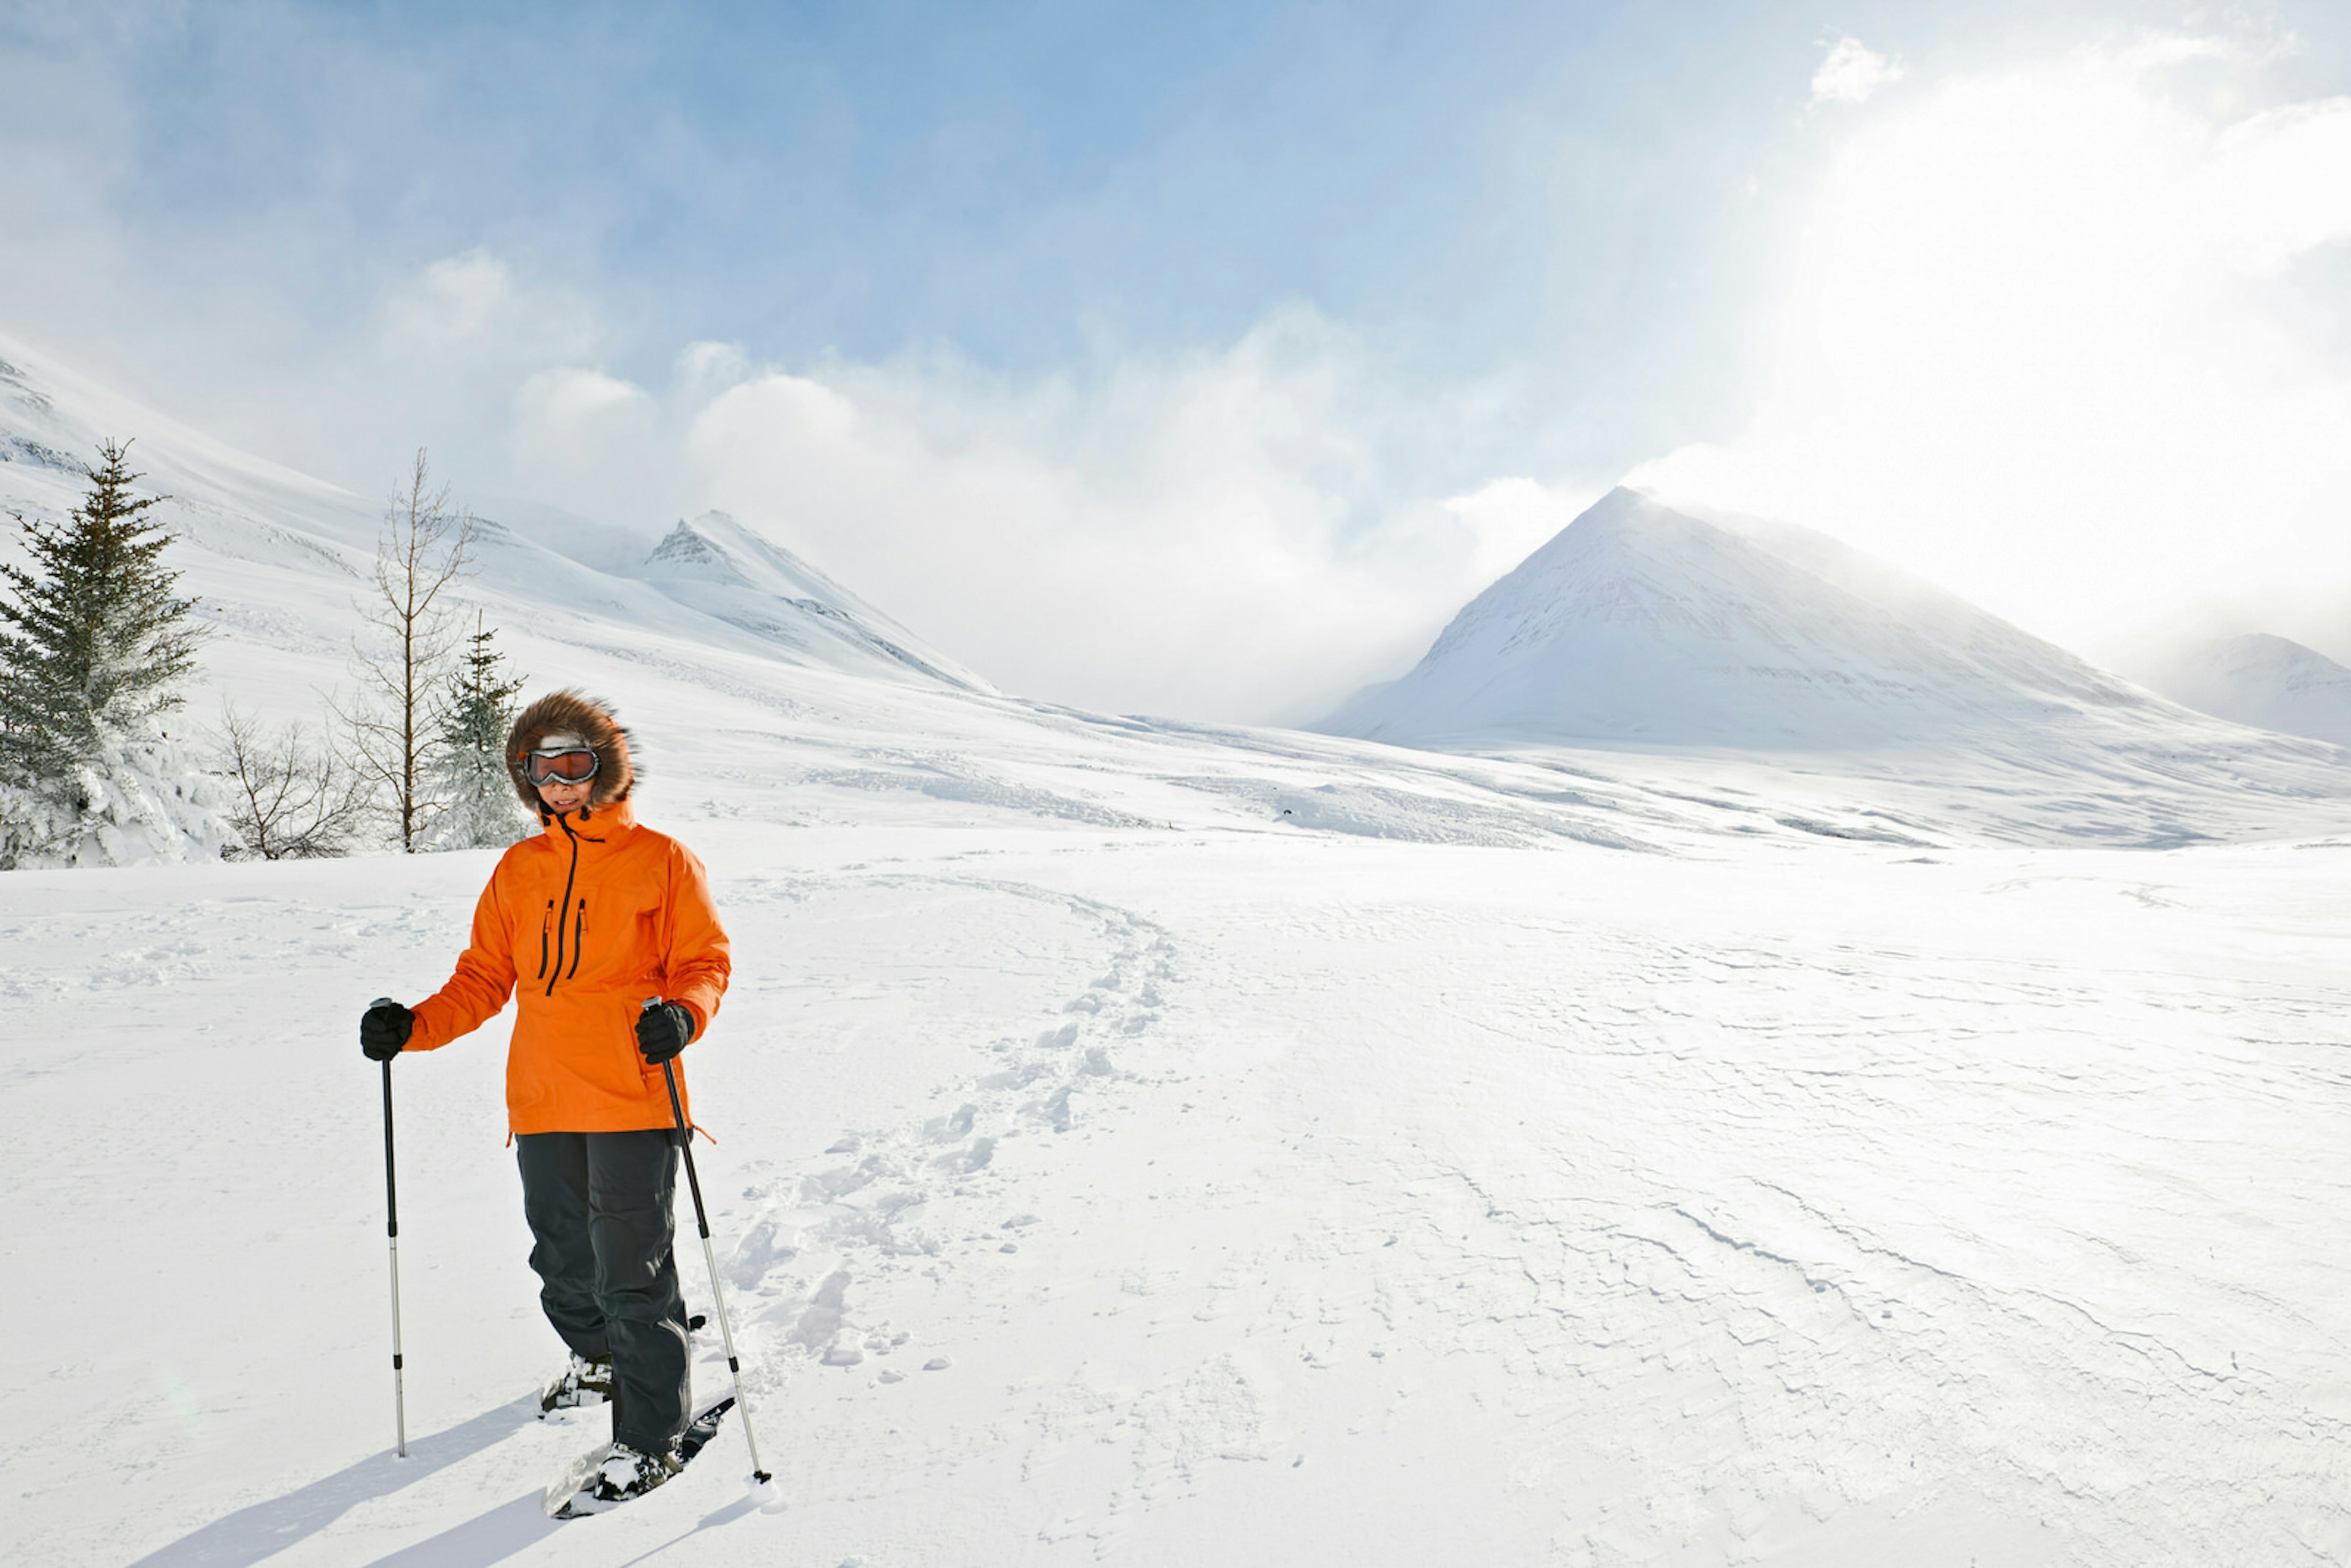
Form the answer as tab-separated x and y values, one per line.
383	1030
662	1030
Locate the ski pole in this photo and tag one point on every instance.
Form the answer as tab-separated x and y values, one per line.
761	1482
391	1234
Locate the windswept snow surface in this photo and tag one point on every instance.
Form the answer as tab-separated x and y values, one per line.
2265	681
1236	1193
1140	1142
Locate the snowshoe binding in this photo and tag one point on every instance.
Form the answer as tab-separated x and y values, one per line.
612	1473
581	1382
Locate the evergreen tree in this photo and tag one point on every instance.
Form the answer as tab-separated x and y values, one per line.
93	646
468	770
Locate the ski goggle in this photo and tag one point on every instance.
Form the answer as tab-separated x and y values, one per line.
571	766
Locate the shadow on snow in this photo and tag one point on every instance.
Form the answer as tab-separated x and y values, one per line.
484	1539
266	1529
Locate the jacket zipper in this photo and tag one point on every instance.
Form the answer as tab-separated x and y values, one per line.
569	877
544	922
579	929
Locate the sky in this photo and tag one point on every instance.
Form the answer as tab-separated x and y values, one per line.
1203	359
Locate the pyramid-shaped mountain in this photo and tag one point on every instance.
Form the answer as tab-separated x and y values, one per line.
1641	622
724	570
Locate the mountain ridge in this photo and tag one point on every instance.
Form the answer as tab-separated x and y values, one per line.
2265	681
1640	622
254	537
736	574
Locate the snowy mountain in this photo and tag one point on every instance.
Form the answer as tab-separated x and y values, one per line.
717	566
2267	682
277	559
52	419
1150	1142
1641	623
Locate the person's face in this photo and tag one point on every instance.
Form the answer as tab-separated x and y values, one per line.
561	796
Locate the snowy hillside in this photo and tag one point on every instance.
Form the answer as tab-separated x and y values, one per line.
718	566
52	419
2264	681
1639	621
1640	627
1142	1143
276	560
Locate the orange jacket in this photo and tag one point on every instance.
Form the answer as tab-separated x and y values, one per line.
592	917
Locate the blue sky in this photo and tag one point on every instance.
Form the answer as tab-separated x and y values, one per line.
1382	258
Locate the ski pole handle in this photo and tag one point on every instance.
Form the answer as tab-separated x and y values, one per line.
678	1111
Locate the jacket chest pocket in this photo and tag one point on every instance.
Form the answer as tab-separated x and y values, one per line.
562	935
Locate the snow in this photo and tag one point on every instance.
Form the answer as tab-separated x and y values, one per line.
1147	1143
716	564
2266	681
1641	622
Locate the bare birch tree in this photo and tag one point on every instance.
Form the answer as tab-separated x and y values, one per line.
426	546
290	798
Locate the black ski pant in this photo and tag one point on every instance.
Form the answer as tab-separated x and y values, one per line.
599	1206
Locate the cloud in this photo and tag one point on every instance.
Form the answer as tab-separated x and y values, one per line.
592	443
2277	186
471	307
1206	534
2069	339
1851	73
1219	534
451	308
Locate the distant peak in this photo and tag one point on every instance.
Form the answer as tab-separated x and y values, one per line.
1620	502
683	539
690	551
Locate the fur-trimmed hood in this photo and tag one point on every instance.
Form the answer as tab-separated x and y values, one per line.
569	714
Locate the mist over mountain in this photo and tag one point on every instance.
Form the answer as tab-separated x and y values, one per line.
2268	682
1641	623
1879	705
1851	1011
278	560
724	570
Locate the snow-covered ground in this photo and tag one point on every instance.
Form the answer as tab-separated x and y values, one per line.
1269	1196
1155	1144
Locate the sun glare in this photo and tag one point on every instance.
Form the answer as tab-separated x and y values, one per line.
2041	340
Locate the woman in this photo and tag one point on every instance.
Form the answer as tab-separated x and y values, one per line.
591	918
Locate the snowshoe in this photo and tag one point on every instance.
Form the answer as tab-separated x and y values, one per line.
611	1473
581	1382
585	1382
